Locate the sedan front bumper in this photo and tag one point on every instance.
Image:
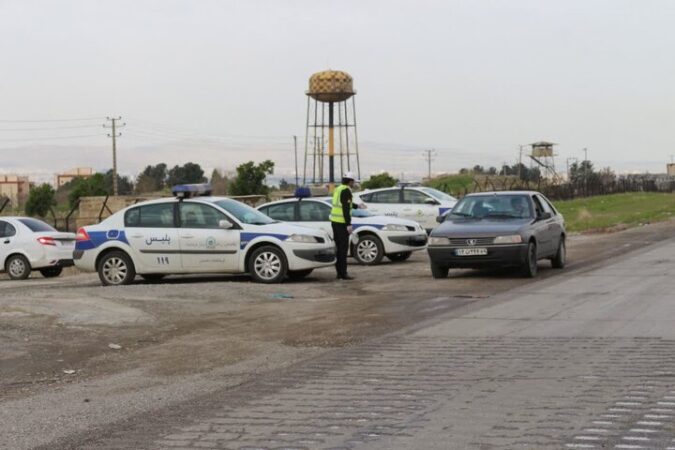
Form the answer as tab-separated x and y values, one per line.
497	255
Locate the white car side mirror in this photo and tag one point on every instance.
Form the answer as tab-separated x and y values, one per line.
225	224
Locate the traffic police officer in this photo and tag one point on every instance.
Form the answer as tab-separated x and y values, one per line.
341	221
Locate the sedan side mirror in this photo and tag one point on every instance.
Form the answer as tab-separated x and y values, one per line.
225	224
545	216
440	219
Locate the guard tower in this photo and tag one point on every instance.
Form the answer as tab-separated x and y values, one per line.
543	157
329	111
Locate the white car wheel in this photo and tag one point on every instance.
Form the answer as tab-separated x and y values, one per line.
18	267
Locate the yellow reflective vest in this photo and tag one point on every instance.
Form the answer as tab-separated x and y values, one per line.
336	214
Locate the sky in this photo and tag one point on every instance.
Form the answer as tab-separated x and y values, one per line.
223	82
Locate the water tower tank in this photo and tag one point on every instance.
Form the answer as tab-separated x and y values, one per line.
331	86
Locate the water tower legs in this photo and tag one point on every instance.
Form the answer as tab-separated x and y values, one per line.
331	145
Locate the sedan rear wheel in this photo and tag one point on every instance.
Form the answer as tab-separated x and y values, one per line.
116	269
17	267
560	258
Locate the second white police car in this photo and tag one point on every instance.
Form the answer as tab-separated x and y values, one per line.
374	236
198	234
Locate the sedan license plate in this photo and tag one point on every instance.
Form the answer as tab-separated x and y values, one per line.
471	252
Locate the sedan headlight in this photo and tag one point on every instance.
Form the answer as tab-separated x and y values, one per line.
513	239
394	227
439	241
302	238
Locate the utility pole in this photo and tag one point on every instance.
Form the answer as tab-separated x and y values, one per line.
520	162
295	145
429	156
114	135
586	170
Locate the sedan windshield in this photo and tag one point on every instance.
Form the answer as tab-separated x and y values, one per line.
244	213
493	206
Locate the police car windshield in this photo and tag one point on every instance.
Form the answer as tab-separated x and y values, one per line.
438	195
244	213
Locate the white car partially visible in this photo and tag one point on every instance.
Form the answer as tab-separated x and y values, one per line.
418	203
28	244
374	236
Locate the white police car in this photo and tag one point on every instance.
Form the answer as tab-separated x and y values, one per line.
374	236
419	203
198	234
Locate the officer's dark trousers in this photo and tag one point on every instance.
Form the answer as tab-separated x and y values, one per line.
341	236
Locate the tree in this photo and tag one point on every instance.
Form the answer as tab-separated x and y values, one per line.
152	179
381	180
219	182
251	178
87	187
186	174
478	169
124	184
40	200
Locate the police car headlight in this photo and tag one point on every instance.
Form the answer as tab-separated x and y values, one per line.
394	227
513	239
302	238
439	241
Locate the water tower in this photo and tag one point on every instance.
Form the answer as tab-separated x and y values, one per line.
329	112
543	156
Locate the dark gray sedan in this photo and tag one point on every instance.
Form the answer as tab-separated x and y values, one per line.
493	229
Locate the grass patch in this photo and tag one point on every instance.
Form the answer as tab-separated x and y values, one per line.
618	210
451	183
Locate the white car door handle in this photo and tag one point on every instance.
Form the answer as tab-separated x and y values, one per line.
186	236
136	236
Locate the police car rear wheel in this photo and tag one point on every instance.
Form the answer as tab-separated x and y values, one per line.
368	250
268	265
398	257
116	269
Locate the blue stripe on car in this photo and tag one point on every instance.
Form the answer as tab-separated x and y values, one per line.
97	238
247	237
355	226
442	211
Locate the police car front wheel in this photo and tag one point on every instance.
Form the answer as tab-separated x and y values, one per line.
268	265
368	250
116	269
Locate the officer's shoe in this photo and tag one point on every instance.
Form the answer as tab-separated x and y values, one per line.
346	278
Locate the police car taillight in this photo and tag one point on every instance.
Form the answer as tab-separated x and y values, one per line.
191	190
82	235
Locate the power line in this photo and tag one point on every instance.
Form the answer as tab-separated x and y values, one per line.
49	138
47	128
49	120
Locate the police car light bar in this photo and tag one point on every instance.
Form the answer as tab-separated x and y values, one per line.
191	190
303	192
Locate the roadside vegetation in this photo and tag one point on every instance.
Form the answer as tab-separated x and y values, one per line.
617	211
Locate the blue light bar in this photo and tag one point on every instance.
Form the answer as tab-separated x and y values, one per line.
303	192
191	190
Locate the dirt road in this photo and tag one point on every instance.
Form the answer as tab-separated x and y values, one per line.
185	337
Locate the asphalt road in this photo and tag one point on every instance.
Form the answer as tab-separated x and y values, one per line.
584	360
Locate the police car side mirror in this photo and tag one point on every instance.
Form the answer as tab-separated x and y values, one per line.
225	224
431	201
